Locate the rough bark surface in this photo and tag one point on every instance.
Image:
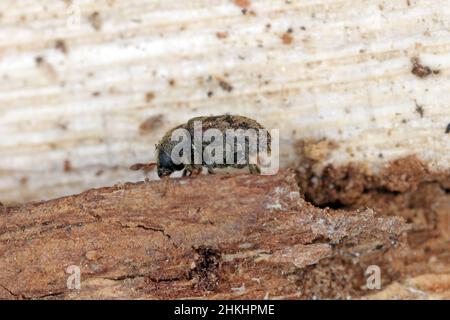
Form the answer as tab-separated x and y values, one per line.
215	236
405	188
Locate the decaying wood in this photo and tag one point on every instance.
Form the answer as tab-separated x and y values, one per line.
423	287
214	236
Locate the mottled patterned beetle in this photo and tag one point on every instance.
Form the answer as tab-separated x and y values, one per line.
166	166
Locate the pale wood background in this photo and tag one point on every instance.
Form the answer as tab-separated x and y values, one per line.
75	91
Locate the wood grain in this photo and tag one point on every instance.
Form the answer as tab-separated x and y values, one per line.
79	91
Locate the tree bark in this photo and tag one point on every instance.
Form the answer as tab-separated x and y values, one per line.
215	236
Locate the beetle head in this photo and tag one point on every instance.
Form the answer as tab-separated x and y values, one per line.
166	166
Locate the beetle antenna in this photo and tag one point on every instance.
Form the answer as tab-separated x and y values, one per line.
143	166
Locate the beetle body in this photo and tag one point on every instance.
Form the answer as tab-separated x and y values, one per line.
165	165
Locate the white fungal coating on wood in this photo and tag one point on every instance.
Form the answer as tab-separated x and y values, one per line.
82	97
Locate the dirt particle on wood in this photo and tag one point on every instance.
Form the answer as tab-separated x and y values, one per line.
46	67
61	46
318	151
63	125
420	70
24	180
95	20
67	167
243	4
222	35
39	60
151	123
149	96
287	37
226	86
172	82
447	130
419	109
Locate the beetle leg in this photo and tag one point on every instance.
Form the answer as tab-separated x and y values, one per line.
254	169
196	172
146	167
191	171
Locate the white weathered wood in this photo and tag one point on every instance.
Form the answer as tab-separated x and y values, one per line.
344	73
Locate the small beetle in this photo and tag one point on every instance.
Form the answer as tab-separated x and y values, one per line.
166	166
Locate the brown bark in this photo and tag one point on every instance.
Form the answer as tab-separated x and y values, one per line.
215	236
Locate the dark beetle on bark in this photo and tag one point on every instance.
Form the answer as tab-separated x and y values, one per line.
224	124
